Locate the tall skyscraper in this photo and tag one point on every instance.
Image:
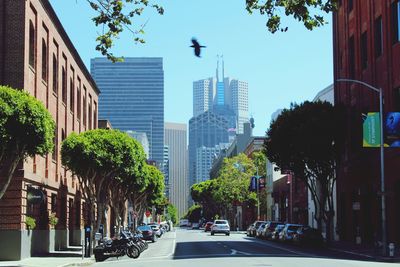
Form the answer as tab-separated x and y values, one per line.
205	130
176	140
223	96
132	97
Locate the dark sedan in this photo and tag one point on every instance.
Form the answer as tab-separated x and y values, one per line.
148	233
308	236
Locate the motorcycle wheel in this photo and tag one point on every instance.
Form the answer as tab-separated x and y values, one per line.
133	252
99	257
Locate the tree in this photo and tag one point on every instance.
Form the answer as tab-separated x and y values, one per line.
307	139
152	193
97	157
194	213
203	193
116	15
301	10
26	129
172	213
234	176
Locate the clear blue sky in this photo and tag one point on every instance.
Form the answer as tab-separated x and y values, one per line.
280	68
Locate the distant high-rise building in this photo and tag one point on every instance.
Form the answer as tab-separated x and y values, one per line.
223	96
205	157
208	130
142	139
176	140
132	97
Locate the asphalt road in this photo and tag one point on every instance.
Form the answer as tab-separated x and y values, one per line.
192	248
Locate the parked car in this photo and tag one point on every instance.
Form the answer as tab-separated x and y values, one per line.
288	231
260	230
275	233
306	235
220	226
251	230
183	222
269	228
156	229
207	227
147	233
195	225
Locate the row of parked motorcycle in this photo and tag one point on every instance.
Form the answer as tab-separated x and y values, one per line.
129	243
285	232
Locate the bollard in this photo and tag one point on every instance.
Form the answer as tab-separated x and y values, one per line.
391	250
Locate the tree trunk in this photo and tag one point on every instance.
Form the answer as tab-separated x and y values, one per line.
5	181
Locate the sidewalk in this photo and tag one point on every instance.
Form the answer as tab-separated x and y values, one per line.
363	251
49	262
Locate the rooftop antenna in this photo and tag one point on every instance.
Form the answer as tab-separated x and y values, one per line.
223	74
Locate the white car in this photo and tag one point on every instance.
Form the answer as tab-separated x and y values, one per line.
220	226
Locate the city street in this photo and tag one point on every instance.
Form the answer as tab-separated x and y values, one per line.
196	248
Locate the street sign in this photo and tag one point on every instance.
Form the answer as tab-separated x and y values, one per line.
148	213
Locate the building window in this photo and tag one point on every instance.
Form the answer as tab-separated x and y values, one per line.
95	115
53	203
78	102
396	99
44	60
55	74
350	5
64	85
378	37
55	141
364	50
90	113
72	91
395	21
32	45
84	105
352	67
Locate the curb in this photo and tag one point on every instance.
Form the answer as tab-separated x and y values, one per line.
377	258
83	263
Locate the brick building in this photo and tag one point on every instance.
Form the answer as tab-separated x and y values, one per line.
367	48
36	55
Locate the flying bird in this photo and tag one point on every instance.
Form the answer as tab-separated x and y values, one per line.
197	47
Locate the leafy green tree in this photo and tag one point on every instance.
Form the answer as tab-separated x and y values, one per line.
152	193
307	139
26	129
203	193
172	213
260	161
309	12
194	213
97	157
234	181
115	16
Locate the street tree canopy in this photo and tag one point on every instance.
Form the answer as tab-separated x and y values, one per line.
26	129
99	156
307	139
116	16
309	12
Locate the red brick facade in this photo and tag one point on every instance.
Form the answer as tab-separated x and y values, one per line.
366	48
36	55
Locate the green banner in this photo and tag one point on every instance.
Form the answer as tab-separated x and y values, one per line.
371	130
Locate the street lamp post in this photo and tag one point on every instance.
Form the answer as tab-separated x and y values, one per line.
258	194
383	205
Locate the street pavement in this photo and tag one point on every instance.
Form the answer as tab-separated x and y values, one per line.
195	248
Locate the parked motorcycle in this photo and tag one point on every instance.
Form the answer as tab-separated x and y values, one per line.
116	248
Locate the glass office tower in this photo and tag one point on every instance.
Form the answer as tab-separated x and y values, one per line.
132	97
